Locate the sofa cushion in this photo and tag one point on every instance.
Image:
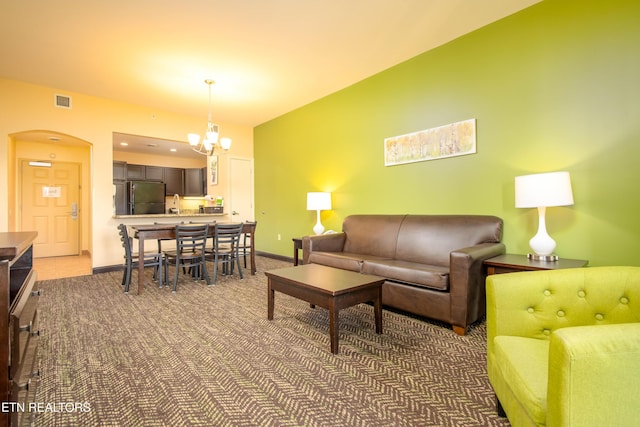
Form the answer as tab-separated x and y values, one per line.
523	363
374	235
343	260
422	275
429	239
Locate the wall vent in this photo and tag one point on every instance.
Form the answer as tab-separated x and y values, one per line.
62	101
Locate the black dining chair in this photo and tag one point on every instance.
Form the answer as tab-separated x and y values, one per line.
161	240
211	225
248	230
189	254
132	260
225	251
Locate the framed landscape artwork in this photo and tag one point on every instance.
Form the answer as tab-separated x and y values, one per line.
455	139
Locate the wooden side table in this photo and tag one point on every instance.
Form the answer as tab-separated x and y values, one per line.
297	246
511	263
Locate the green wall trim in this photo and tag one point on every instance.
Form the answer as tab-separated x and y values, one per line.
553	87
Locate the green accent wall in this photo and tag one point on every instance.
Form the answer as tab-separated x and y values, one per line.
554	87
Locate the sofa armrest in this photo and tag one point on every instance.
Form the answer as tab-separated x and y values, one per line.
593	375
322	243
467	281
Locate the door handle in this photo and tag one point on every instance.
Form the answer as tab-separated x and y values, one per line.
235	213
74	211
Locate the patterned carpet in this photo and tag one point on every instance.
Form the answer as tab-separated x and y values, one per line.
208	356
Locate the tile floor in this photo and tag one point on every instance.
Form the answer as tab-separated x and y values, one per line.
60	267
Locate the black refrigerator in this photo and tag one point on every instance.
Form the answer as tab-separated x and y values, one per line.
145	197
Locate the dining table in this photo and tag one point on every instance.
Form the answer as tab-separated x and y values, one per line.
144	232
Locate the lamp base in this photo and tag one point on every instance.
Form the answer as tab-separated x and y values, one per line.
318	228
543	258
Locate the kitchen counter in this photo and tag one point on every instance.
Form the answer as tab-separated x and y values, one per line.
181	215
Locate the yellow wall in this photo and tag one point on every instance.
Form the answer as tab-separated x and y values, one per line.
8	179
27	107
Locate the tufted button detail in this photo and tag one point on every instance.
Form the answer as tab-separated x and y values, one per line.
530	309
560	313
624	300
581	294
546	332
547	293
599	316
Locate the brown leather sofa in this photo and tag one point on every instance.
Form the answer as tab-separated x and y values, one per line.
433	263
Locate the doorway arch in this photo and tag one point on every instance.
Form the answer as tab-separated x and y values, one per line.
52	146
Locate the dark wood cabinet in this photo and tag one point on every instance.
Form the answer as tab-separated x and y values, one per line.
194	182
135	172
154	173
174	180
119	171
185	182
120	197
18	325
122	171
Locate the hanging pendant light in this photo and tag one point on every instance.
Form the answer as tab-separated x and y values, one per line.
208	145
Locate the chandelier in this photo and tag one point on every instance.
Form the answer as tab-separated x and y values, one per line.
208	145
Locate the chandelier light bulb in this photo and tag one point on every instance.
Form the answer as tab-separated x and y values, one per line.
212	136
193	138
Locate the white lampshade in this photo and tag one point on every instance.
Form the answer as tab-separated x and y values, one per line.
544	190
193	138
541	191
225	143
318	201
212	134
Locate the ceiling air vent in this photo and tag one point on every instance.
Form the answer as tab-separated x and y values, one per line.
62	101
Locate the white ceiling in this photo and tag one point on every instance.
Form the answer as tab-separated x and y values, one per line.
267	57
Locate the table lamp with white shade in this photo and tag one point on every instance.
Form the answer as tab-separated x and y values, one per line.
318	201
541	191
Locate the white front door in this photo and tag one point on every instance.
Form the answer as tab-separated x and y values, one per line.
241	189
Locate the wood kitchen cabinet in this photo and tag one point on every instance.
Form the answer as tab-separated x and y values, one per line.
174	180
154	173
119	171
195	182
120	187
185	182
135	172
128	172
120	197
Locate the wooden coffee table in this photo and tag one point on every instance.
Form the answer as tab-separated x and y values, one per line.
327	287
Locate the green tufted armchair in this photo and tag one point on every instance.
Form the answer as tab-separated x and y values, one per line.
563	346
